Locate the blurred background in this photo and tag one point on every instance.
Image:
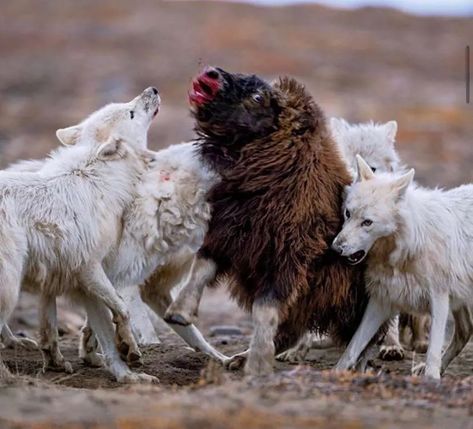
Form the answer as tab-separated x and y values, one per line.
60	60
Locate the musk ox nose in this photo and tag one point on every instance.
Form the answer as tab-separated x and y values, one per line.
211	73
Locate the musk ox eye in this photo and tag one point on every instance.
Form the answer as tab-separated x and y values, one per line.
367	222
258	98
347	214
132	114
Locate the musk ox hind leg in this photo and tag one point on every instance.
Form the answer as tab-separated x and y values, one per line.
184	310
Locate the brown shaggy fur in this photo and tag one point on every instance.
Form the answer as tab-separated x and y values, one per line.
275	214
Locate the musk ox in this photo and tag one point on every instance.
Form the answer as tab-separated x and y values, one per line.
275	212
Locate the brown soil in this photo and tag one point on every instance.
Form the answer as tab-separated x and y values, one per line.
194	392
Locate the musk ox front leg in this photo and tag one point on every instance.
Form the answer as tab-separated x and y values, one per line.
184	310
261	353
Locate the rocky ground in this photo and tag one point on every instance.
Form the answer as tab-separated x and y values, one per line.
62	60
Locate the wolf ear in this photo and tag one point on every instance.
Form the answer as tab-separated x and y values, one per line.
69	136
338	125
364	170
400	185
391	130
113	149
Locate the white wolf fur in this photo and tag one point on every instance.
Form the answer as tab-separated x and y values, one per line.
61	221
375	143
127	121
163	229
419	244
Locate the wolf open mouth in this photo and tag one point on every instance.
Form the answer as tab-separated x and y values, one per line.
356	257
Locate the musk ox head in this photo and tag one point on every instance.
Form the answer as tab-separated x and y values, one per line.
233	109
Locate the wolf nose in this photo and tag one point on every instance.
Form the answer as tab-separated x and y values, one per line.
155	91
337	248
211	73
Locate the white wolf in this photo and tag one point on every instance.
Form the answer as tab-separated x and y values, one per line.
162	230
60	222
375	143
418	244
126	121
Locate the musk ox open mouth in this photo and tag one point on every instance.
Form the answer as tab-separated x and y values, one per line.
356	257
205	87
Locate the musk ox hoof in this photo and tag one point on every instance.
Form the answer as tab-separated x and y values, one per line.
259	365
390	353
420	346
177	319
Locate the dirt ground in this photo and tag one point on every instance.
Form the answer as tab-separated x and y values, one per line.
194	392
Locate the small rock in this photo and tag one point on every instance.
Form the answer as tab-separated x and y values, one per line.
225	330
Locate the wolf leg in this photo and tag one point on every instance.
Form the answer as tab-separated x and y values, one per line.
49	338
439	310
375	315
158	297
101	322
89	346
97	284
391	349
183	311
463	330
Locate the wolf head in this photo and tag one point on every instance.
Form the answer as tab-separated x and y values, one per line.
126	121
370	210
233	109
373	142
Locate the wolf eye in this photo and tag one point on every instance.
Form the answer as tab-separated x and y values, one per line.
367	222
258	98
132	114
347	214
373	169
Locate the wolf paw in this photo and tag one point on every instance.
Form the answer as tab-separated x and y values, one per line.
138	378
24	343
422	369
295	355
237	362
390	353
